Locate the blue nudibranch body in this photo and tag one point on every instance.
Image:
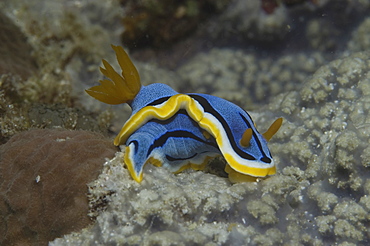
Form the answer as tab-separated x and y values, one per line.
180	131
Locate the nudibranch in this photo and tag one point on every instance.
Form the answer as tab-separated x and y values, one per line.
180	131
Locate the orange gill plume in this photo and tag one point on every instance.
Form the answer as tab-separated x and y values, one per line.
118	88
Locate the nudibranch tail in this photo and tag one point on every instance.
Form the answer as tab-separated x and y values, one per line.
120	88
273	129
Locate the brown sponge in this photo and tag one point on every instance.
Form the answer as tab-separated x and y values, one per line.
43	177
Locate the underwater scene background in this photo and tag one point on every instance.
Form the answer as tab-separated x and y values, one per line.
307	61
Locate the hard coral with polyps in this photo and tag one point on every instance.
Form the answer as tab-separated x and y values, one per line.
43	189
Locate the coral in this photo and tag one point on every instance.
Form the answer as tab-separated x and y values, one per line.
247	21
51	116
161	23
361	37
15	51
18	114
67	40
319	197
49	96
331	34
16	118
269	5
328	140
322	35
43	192
250	80
277	24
